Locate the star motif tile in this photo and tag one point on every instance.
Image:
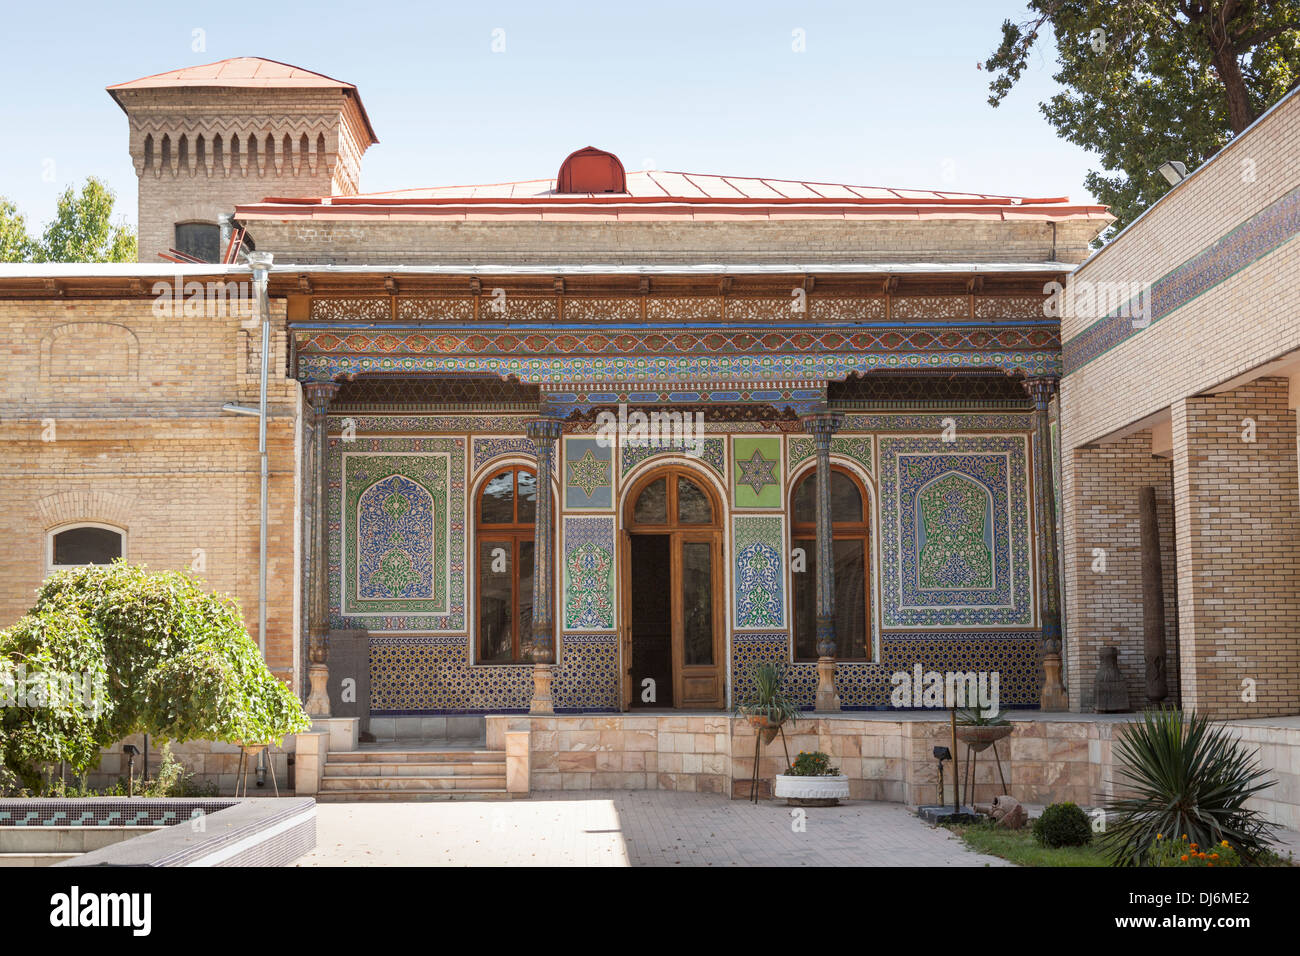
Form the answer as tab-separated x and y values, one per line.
757	472
588	473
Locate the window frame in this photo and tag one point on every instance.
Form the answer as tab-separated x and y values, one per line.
840	530
52	533
515	532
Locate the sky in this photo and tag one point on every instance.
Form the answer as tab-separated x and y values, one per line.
866	93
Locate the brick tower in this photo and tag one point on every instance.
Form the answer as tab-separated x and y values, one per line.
205	138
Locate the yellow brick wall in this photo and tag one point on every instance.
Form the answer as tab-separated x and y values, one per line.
1237	508
124	426
1103	592
1233	327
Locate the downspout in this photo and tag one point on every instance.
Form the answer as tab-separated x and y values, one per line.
261	263
261	266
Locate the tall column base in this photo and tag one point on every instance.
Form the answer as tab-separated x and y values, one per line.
1053	697
318	701
541	703
827	698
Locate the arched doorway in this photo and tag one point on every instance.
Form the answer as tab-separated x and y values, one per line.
673	595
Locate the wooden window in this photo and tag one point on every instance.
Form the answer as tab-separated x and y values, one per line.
505	511
851	550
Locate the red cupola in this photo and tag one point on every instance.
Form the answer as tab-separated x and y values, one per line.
591	170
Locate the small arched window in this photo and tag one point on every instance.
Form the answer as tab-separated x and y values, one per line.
202	240
850	550
85	544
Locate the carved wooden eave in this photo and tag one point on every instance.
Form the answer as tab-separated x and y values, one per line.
305	282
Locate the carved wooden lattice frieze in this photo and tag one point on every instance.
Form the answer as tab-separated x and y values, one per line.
340	310
930	307
602	310
425	309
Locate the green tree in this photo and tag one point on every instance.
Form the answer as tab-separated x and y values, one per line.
82	229
15	244
1147	81
124	651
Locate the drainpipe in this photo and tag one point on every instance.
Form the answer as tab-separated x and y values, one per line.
226	223
261	265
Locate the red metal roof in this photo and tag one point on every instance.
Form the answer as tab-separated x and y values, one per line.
654	194
245	72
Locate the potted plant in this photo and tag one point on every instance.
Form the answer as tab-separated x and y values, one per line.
979	731
766	707
811	781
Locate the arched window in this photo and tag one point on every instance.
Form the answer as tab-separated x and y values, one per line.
199	239
84	544
504	515
851	539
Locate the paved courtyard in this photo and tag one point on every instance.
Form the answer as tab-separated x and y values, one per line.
629	828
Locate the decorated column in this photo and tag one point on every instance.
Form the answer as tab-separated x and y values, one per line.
822	426
1041	389
319	395
543	432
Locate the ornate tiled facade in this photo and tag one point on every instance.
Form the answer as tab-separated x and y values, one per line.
968	501
958	511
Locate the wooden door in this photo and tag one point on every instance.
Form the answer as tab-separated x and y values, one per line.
673	544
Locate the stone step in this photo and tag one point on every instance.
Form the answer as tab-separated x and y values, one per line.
410	796
416	755
448	782
374	769
34	859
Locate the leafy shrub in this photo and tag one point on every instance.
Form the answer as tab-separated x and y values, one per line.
1190	778
1063	824
815	764
764	697
174	661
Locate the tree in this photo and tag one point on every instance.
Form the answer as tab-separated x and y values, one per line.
1148	81
113	650
82	230
15	244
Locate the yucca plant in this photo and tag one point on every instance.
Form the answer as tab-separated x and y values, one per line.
1191	781
766	698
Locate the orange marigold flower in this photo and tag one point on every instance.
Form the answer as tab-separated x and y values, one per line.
1160	836
1214	856
1184	857
1195	846
1224	843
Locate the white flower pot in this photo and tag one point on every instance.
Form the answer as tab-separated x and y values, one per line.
812	791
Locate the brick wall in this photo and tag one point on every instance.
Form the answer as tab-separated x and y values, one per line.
1230	328
1100	504
472	241
1237	508
113	414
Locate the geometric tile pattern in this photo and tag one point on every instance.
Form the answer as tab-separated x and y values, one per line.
711	451
955	532
589	573
588	474
1257	237
385	574
1013	655
855	447
756	472
419	674
758	571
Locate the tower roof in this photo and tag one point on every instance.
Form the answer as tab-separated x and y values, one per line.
244	72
